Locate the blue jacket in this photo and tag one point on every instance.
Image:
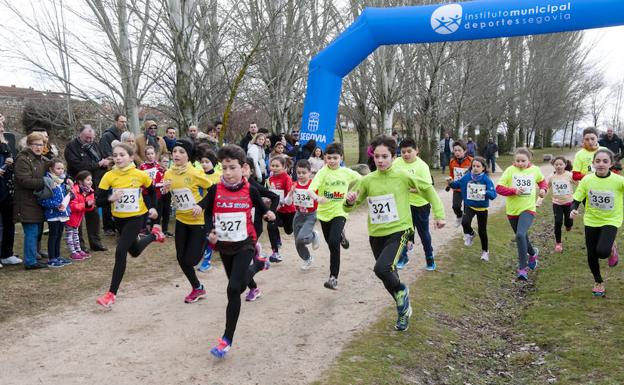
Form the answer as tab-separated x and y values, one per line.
470	179
50	205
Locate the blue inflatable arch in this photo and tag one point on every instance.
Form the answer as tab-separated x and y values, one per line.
474	20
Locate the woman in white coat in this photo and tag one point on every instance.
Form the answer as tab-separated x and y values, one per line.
256	152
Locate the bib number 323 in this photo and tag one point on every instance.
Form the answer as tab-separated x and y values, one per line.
382	209
129	200
231	227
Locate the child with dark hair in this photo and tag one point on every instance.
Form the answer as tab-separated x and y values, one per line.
56	210
83	200
208	160
458	167
280	183
164	203
584	158
561	183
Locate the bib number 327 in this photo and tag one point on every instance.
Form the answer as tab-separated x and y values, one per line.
231	227
382	209
602	200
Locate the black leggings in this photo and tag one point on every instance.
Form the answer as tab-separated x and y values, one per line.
482	217
457	204
54	238
128	242
332	232
562	215
236	264
387	251
164	211
598	241
284	220
8	229
190	242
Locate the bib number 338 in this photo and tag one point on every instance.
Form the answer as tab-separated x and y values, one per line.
382	209
231	227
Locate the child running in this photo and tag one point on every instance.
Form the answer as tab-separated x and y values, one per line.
420	208
560	183
229	205
280	183
477	191
604	192
208	160
329	188
156	174
583	160
184	182
56	210
83	200
389	222
458	167
121	187
164	203
519	183
305	217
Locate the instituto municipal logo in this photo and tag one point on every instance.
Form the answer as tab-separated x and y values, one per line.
313	121
447	19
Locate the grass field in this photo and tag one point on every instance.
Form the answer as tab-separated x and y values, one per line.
474	324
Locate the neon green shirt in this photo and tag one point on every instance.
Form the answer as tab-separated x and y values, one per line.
388	202
583	161
524	178
333	185
419	169
604	199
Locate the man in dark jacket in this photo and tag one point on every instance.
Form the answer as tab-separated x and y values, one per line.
82	154
106	151
613	143
491	149
253	130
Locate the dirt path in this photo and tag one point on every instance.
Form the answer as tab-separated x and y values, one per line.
289	336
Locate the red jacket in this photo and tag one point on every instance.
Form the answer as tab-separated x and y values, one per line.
284	183
79	204
157	180
466	163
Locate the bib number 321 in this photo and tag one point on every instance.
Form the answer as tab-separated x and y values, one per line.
382	209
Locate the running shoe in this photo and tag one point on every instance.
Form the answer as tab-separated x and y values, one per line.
403	260
316	241
306	264
615	256
261	258
523	275
206	261
404	309
558	248
468	238
599	290
55	263
77	257
331	283
107	300
275	257
85	254
157	231
458	221
168	234
533	259
431	265
485	256
344	242
65	261
195	294
12	260
253	294
223	346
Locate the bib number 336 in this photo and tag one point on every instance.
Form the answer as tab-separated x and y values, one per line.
602	200
382	209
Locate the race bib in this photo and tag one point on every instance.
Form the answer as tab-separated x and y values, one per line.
602	200
459	172
151	172
129	200
231	227
278	192
476	192
182	199
302	198
561	188
524	183
382	209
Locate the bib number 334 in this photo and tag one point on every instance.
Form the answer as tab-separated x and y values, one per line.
382	209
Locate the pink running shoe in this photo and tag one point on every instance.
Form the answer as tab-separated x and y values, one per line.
85	254
615	256
77	257
107	300
253	295
157	231
558	248
195	295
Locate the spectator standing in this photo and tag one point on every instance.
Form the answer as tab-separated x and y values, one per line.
491	149
471	148
29	171
83	154
149	138
256	152
317	160
193	134
7	190
253	130
445	147
170	138
106	151
613	142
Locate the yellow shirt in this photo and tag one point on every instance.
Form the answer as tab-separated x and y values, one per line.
419	169
604	200
184	188
129	181
583	161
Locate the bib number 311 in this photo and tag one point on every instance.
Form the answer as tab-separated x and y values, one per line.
182	199
382	209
